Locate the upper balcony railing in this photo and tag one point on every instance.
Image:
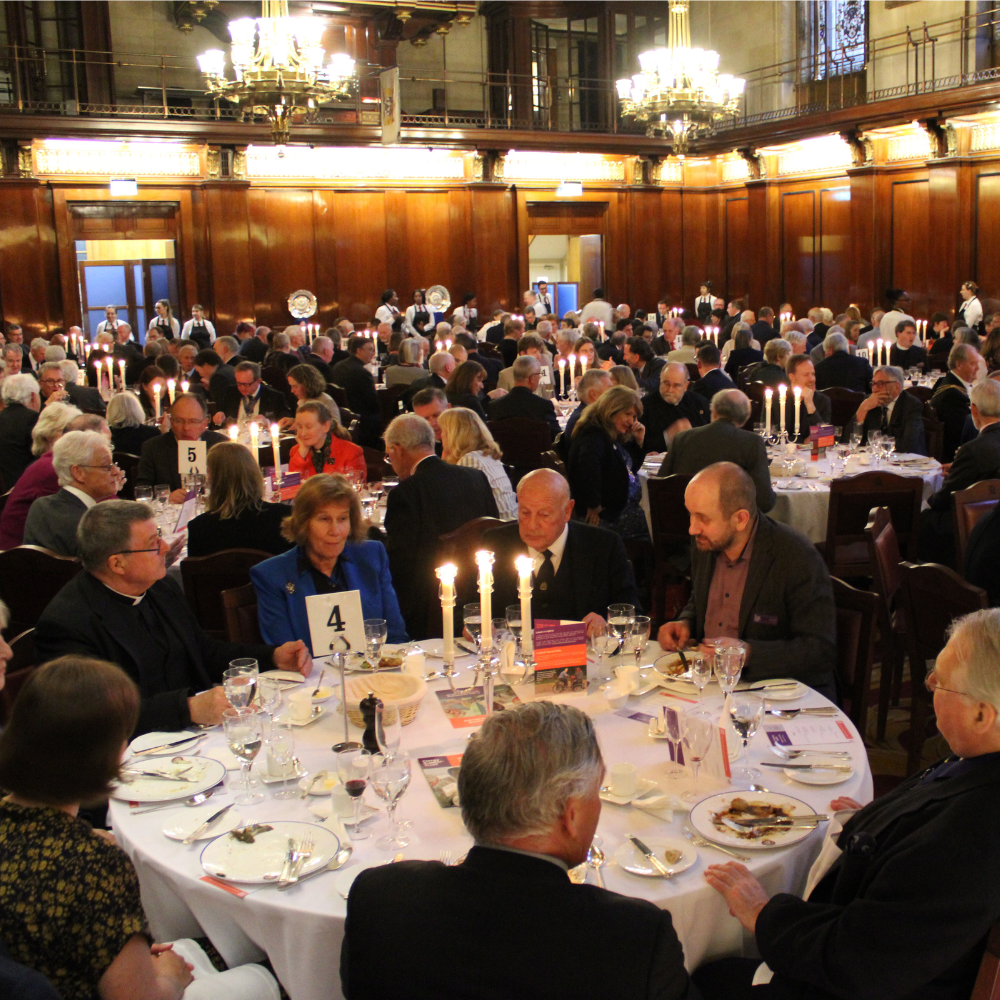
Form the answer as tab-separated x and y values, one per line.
956	53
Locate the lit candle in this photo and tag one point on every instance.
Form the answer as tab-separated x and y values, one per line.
782	390
97	368
234	432
572	369
111	377
484	560
159	392
769	398
562	375
878	351
172	390
525	565
185	385
275	430
797	393
583	365
446	574
121	372
447	345
254	436
438	346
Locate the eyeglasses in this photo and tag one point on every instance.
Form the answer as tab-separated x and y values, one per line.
127	552
51	381
103	468
192	422
246	385
882	384
931	683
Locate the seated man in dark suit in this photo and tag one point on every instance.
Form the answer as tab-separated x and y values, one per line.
529	787
763	330
254	347
872	927
249	398
724	440
432	499
814	406
756	580
83	397
579	569
320	354
354	378
122	607
841	368
440	364
158	460
82	461
522	400
951	395
903	354
893	411
614	347
712	378
216	377
638	355
982	556
671	409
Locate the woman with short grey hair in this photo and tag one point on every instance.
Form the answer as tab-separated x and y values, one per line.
409	368
129	431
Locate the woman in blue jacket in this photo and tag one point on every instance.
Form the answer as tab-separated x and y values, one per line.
330	555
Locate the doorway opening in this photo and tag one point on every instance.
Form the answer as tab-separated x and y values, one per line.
131	275
571	265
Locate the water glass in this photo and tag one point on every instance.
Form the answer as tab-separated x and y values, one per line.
672	722
268	694
472	617
701	671
281	753
390	779
240	681
729	657
376	632
604	641
388	728
243	734
638	637
747	711
696	732
354	767
620	621
161	493
144	494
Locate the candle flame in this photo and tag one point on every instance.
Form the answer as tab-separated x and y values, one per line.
447	573
525	565
484	559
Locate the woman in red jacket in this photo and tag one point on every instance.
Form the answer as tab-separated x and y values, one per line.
323	445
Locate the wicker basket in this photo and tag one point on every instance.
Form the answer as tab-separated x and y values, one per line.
403	690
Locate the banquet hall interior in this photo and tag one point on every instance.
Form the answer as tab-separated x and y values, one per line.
577	316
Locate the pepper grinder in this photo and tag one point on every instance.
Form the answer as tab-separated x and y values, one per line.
369	707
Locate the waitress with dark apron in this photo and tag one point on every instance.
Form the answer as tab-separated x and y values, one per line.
164	323
703	303
197	331
971	309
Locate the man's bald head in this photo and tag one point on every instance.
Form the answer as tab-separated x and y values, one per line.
731	485
544	508
674	378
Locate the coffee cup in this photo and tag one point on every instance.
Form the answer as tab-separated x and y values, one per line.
616	695
622	778
628	677
811	472
300	706
342	804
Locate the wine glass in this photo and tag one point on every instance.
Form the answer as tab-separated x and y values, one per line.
512	669
243	734
604	641
696	731
390	779
672	723
388	728
268	694
701	672
729	657
472	616
513	615
240	682
638	637
161	493
281	753
354	766
144	494
746	710
620	622
376	632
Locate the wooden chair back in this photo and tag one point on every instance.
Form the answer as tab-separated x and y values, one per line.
129	464
883	551
693	373
390	403
522	441
206	577
851	501
240	605
669	520
20	667
30	577
857	614
922	392
459	546
337	394
987	985
932	596
551	460
933	433
378	466
276	378
844	404
755	390
970	506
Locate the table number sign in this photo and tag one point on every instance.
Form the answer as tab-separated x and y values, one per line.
191	457
560	657
336	623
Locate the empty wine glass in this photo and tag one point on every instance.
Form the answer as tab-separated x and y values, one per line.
376	632
268	694
354	766
161	493
512	668
638	637
746	710
472	617
672	724
697	731
243	734
388	728
281	755
390	779
604	641
729	657
144	494
701	672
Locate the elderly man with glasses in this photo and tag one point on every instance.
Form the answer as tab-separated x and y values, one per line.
673	408
900	901
122	607
890	410
529	788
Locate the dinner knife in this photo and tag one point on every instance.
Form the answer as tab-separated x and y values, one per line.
172	743
770	687
286	868
466	647
208	822
752	821
808	767
651	857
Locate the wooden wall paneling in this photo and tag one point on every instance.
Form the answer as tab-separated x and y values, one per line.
864	291
758	258
798	240
948	254
362	269
646	248
672	250
327	283
69	285
496	262
987	234
461	247
229	254
833	265
259	263
910	208
428	240
290	253
694	239
615	260
404	248
736	220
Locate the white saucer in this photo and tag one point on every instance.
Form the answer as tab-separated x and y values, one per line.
642	787
818	777
632	860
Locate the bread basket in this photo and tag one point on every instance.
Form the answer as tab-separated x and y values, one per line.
393	688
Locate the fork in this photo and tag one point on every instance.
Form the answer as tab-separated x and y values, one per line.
700	841
447	858
303	854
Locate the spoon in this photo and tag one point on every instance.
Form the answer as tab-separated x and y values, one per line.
319	683
595	858
337	861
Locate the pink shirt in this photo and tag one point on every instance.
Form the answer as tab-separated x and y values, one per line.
38	480
725	595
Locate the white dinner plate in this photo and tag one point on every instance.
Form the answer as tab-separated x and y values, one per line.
632	860
818	776
149	740
184	825
260	862
205	772
781	694
702	820
317	713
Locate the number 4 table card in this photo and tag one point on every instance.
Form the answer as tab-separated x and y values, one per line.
336	623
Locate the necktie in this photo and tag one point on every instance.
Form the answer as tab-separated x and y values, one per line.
546	575
248	402
885	419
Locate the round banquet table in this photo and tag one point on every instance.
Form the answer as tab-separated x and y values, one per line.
300	930
803	503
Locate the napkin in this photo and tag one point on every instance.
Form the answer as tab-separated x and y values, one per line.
664	805
224	756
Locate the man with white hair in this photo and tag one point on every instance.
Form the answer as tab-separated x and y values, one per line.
383	334
523	400
432	499
36	355
841	368
82	461
228	348
22	401
883	916
125	348
13	359
893	411
83	396
950	401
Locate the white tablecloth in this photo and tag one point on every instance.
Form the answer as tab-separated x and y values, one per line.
301	930
804	503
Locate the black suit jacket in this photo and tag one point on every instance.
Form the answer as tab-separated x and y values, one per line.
221	379
951	404
253	349
593	573
787	613
846	370
720	441
975	461
658	416
431	381
648	376
321	366
823	414
16	425
52	522
906	424
436	499
272	403
763	331
487	907
911	358
87	399
158	459
982	555
522	402
889	919
352	376
712	382
86	618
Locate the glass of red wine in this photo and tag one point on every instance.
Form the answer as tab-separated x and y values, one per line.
354	765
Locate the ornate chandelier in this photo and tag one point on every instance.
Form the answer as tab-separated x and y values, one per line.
278	61
680	91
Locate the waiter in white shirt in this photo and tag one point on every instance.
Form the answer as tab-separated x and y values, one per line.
543	301
110	321
389	309
971	309
199	329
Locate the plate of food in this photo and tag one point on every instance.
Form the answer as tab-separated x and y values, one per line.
675	854
753	819
164	779
256	853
